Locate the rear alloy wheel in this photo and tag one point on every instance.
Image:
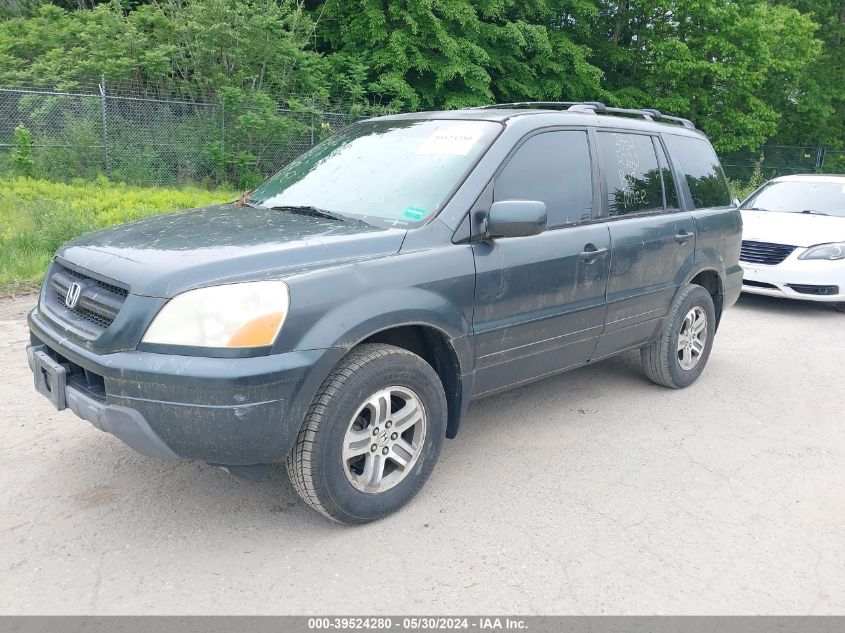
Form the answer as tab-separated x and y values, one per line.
372	435
677	358
692	339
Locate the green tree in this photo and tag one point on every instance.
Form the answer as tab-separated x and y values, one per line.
746	71
454	53
192	48
819	117
730	66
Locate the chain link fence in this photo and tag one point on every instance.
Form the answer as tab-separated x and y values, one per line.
780	160
156	141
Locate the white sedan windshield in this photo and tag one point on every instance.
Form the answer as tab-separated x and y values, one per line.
823	197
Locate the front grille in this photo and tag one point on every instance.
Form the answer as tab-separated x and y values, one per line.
764	252
100	300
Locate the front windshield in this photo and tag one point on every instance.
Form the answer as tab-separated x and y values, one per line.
824	197
388	173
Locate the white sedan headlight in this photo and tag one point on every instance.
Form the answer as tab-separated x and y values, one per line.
235	315
825	251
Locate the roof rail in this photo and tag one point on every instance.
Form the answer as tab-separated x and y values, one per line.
593	107
528	104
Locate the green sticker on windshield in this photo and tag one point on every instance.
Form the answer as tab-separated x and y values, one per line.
414	213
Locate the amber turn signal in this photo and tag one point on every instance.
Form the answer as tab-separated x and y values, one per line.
258	332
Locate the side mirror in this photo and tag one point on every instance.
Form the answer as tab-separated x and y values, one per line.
515	218
737	202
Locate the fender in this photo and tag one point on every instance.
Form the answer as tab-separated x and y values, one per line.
431	287
385	310
709	259
717	244
704	265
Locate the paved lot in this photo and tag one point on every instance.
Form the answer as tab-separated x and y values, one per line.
592	492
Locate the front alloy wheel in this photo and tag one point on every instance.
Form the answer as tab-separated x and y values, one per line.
384	439
372	435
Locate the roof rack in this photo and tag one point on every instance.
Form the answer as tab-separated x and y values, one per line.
592	107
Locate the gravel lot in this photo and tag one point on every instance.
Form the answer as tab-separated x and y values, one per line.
591	492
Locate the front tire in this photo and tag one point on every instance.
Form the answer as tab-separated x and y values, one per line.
371	436
678	357
840	306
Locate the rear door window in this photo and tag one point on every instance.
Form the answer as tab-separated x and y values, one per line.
705	178
631	172
553	167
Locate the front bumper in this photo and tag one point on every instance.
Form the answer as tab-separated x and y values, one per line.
230	411
793	278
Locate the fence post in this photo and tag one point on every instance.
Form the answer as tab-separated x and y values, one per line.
222	171
822	156
105	132
312	120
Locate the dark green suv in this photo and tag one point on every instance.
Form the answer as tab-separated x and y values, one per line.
342	317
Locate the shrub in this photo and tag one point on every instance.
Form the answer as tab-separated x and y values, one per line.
744	188
22	162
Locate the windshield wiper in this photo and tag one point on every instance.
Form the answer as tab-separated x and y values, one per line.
814	212
317	212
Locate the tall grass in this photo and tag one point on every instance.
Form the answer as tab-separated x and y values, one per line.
37	216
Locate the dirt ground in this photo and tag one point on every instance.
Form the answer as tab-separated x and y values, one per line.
591	492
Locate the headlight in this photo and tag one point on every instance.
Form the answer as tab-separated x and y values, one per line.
234	315
825	251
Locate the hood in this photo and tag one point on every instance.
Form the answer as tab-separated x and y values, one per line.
164	255
793	229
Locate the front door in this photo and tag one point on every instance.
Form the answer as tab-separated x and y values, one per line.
539	301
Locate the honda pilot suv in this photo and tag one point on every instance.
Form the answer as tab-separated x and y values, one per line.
341	316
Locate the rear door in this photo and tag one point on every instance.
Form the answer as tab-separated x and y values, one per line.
539	303
652	239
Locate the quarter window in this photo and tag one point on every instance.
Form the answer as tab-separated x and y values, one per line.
553	167
631	173
704	174
669	188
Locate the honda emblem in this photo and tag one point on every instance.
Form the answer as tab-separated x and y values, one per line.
72	296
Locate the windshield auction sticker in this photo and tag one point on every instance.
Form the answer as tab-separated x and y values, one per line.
455	140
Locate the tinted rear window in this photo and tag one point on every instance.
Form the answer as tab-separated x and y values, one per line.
669	188
704	175
631	172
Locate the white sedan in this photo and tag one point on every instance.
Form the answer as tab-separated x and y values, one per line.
793	239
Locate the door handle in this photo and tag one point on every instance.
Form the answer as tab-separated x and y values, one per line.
589	256
683	236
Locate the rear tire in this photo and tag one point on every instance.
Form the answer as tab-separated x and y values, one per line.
678	357
371	436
